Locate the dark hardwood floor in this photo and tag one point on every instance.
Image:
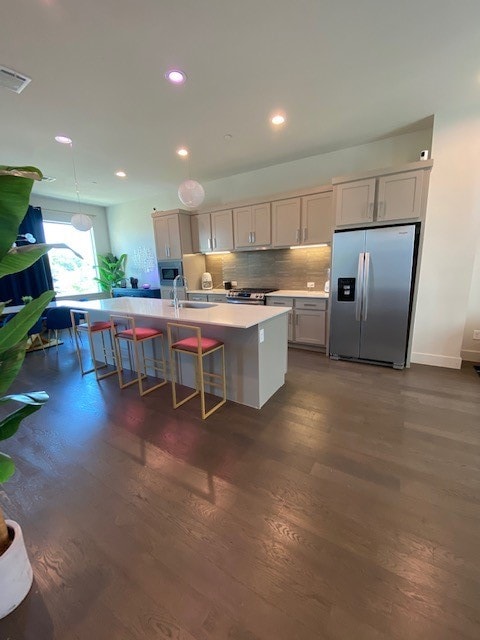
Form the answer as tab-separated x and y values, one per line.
348	508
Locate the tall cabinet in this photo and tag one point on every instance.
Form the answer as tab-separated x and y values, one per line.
172	234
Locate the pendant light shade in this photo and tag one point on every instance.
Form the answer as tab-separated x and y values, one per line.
81	222
191	193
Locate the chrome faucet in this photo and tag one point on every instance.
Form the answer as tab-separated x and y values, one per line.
175	290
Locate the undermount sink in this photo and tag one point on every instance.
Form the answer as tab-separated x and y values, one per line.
189	304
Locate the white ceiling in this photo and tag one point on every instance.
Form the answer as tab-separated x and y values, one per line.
345	72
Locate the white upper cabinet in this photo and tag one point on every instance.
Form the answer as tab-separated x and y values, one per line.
222	230
302	221
172	234
252	226
355	202
286	222
212	231
389	197
317	218
400	196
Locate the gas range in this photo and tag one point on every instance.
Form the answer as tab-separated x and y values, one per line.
249	295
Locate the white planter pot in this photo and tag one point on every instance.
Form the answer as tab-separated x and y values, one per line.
16	575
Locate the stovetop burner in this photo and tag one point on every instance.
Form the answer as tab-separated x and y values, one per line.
249	295
253	290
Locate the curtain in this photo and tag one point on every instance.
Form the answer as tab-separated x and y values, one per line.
37	278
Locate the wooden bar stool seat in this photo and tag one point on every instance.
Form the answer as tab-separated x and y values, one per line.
136	336
200	347
81	323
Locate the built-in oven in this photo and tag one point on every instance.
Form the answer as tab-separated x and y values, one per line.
168	270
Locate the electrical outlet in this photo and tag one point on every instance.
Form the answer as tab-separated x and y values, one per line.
310	285
476	334
234	283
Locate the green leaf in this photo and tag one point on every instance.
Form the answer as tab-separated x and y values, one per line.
17	328
7	467
15	188
23	257
11	362
34	397
9	425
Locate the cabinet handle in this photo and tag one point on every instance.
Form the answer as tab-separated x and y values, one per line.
305	234
253	237
249	236
381	210
209	243
214	243
370	210
298	236
309	304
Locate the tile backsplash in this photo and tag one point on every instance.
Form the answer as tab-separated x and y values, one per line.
279	268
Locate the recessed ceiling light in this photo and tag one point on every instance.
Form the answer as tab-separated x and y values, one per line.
63	139
175	76
182	152
277	119
120	174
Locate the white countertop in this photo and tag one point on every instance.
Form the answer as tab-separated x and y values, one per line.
298	293
239	316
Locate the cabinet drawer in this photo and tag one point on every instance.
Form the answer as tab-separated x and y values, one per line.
308	303
280	302
198	297
217	297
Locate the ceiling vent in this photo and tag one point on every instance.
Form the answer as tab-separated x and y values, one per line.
12	80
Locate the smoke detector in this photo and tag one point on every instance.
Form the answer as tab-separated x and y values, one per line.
13	80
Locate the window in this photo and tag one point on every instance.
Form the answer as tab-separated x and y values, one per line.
70	274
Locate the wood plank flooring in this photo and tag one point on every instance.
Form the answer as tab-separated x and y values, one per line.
348	508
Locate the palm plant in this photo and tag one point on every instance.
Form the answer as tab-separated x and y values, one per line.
111	270
15	188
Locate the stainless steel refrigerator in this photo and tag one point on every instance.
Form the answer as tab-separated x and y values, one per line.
373	272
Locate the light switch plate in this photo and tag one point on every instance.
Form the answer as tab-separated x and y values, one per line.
476	334
310	285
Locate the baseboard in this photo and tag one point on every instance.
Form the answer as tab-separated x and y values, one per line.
470	356
435	360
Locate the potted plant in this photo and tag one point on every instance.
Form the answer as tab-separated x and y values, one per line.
15	186
111	270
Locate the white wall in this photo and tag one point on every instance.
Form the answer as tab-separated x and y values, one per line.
130	224
447	295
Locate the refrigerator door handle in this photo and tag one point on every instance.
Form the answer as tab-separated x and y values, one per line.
366	276
358	303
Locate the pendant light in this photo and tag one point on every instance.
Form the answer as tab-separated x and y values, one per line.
79	221
190	192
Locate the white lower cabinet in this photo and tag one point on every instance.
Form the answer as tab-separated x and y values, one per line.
307	320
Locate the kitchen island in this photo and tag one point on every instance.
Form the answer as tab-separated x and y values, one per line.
255	339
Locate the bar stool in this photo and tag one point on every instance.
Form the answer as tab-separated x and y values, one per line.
198	347
81	324
136	336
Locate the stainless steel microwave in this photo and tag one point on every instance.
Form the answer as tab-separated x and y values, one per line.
168	270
